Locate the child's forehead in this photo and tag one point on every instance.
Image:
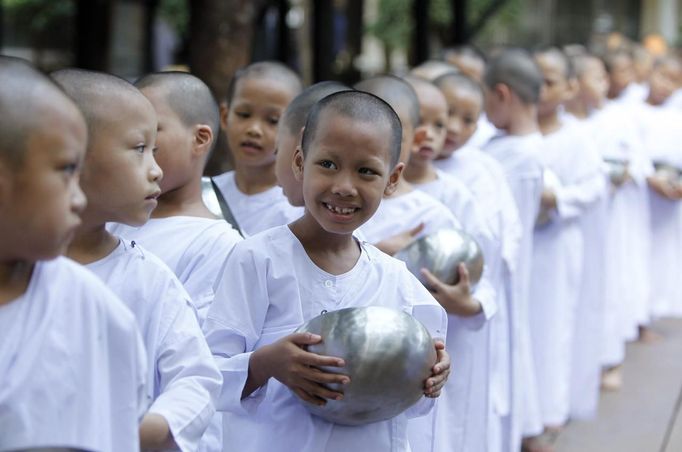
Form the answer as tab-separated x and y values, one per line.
264	89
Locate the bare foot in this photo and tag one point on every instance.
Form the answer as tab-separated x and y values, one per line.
648	336
538	443
612	379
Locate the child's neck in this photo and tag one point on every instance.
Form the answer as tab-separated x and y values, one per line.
577	109
402	187
419	171
523	121
185	200
15	276
255	179
550	122
91	243
334	253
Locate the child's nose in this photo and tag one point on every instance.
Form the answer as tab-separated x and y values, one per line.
254	129
343	185
78	199
155	172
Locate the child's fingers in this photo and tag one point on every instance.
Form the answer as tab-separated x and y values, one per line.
436	284
315	360
326	378
319	391
416	231
308	398
305	338
463	275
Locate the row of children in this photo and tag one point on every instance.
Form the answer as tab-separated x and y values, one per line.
320	173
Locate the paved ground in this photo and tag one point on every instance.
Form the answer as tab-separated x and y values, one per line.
645	416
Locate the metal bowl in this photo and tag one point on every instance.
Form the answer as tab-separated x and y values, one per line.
388	355
551	182
617	170
668	172
441	253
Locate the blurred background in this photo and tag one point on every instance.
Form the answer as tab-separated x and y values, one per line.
327	39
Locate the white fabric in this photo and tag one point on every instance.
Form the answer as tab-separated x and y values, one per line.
194	248
256	213
269	287
485	130
484	176
461	416
674	101
72	365
183	378
662	135
519	158
557	266
616	135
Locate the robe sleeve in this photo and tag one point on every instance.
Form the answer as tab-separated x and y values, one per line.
574	199
233	327
188	379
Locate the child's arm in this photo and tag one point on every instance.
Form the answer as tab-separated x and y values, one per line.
287	361
441	371
396	243
155	433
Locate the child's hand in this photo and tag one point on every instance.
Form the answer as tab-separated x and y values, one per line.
455	299
400	241
155	433
287	361
663	187
548	200
441	371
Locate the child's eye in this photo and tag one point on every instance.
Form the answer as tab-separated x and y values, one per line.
327	164
439	125
140	148
70	168
154	150
242	114
368	172
274	120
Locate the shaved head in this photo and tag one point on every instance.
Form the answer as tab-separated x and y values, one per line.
454	80
560	57
93	91
188	96
265	69
25	94
359	106
432	69
295	115
516	69
395	91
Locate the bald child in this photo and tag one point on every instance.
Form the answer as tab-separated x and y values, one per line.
72	363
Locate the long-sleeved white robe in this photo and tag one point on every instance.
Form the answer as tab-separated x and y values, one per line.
269	287
485	177
194	248
72	365
557	266
518	156
183	379
256	213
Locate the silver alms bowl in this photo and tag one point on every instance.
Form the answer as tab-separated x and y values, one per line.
388	356
617	170
441	253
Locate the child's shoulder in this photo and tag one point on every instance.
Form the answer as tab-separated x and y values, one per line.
266	244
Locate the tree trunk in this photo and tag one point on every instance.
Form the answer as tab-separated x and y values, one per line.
221	32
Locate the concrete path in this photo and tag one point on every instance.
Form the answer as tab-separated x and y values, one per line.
646	415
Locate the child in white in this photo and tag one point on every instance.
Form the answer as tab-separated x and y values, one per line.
182	231
257	98
275	281
72	363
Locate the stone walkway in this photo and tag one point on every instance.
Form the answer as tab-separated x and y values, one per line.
646	415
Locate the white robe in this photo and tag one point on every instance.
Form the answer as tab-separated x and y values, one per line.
662	135
194	248
557	266
256	213
485	130
268	289
72	365
484	176
184	380
519	158
461	418
627	276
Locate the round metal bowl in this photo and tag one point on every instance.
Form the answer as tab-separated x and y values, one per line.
668	172
551	182
441	253
388	356
617	170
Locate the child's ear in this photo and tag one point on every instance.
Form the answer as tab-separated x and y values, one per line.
573	88
393	179
502	92
297	164
5	182
224	110
203	137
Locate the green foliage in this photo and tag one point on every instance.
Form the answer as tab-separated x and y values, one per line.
39	15
393	26
176	12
